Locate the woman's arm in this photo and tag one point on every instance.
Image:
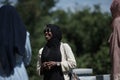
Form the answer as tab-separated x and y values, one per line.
69	62
39	61
28	52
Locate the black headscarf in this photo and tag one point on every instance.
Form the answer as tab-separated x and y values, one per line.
12	37
56	35
52	46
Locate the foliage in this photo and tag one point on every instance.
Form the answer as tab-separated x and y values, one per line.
86	31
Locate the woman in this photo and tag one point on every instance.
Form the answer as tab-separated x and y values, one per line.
114	40
15	49
56	59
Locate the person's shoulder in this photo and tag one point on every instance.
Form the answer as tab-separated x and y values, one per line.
28	34
117	19
64	44
116	22
40	50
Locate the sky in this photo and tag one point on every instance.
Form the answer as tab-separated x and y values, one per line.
79	4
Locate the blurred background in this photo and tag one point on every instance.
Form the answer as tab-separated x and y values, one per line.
86	27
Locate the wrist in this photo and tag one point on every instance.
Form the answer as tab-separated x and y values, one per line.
58	63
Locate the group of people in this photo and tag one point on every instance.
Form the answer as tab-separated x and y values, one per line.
56	58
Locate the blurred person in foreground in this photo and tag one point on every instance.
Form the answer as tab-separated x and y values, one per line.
15	49
114	40
56	58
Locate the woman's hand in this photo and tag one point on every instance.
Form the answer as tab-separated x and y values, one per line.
49	65
52	63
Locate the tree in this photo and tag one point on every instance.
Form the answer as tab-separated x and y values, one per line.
86	31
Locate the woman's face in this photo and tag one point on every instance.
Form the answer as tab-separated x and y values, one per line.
48	34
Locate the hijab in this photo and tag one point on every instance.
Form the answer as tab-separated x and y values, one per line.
52	47
12	37
115	8
56	35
